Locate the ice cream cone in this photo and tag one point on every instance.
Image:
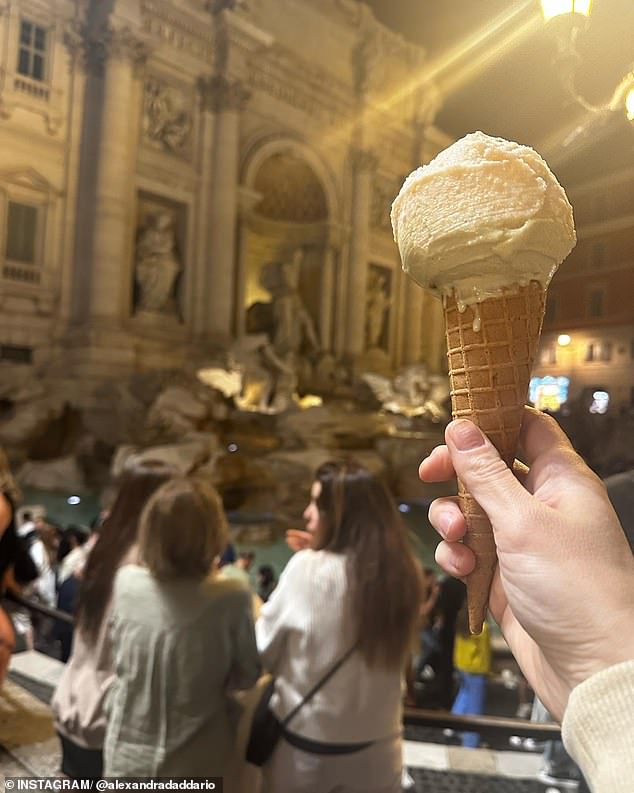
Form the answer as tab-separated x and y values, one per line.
491	347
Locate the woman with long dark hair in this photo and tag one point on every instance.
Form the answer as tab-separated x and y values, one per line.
353	598
78	703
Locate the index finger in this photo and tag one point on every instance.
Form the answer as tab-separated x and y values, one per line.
437	466
541	434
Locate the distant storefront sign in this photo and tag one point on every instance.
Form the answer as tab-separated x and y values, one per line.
549	393
600	402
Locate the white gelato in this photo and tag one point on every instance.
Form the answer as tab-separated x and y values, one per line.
484	215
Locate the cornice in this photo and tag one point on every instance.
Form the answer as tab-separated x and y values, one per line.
281	73
178	29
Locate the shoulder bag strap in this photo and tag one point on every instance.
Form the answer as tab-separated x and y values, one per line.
318	685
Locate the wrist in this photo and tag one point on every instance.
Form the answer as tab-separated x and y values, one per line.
600	659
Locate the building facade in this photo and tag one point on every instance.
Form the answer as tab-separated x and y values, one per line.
588	335
157	155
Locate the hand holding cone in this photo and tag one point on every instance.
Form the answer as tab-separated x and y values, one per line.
484	226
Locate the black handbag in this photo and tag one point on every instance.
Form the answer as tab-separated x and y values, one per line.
266	728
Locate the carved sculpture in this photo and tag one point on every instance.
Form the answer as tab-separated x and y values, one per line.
294	329
268	382
164	119
413	392
156	265
272	362
377	304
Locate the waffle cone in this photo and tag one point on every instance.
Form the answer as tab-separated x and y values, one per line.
491	347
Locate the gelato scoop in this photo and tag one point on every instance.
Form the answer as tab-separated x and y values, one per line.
485	214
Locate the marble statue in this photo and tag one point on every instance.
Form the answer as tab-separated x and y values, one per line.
294	330
268	381
413	392
156	264
377	304
164	121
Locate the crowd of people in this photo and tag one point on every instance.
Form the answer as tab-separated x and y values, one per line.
164	639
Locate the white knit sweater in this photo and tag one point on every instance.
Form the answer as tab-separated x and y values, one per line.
598	729
301	633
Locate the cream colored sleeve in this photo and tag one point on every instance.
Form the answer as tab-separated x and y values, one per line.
598	729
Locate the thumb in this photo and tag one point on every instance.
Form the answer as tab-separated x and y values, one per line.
481	470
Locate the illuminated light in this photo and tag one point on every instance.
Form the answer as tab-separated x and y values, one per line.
556	8
563	340
629	104
73	500
404	508
309	401
600	402
549	393
232	447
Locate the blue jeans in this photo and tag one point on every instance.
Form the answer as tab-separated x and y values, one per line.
470	702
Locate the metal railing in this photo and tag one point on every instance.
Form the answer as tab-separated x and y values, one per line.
487	725
39	608
415	717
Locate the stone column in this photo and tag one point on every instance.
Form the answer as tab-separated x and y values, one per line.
329	287
413	322
229	98
327	297
364	163
438	343
109	285
74	43
247	201
199	286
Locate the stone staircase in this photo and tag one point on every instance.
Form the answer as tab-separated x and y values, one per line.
28	744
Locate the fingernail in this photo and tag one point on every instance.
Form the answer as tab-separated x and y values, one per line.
445	521
466	436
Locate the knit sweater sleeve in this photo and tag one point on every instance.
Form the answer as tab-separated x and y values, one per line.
277	614
598	728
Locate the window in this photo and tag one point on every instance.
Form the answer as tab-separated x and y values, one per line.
32	50
595	303
21	233
599	351
9	352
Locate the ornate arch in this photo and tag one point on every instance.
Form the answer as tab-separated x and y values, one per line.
265	148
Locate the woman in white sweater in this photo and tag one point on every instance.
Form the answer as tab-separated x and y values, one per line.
359	588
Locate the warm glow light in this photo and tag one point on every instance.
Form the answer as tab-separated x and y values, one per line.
555	8
564	340
309	401
629	104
